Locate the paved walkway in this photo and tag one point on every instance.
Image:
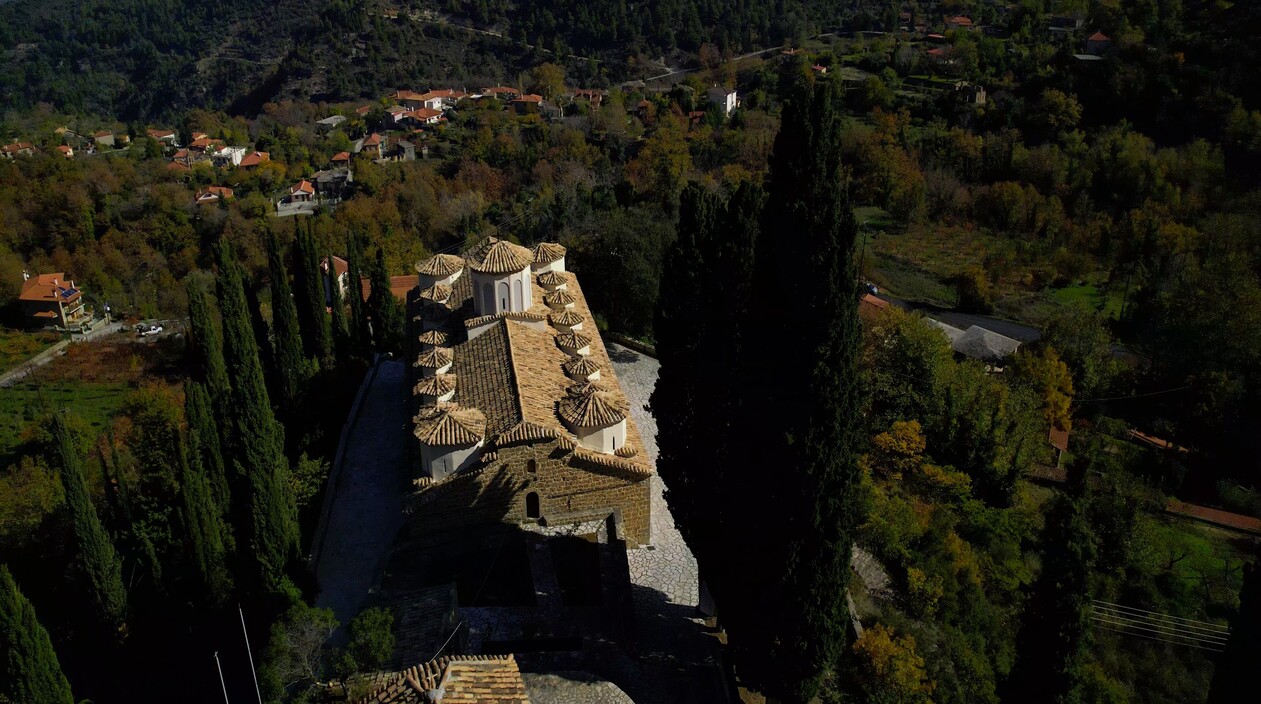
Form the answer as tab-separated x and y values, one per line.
367	509
677	656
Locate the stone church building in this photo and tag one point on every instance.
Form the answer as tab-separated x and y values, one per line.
519	417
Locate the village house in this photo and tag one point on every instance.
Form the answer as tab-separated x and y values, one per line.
977	343
302	192
103	139
373	144
340	159
16	149
65	151
213	195
227	156
443	99
500	93
340	273
424	116
409	99
958	22
528	103
50	300
329	123
254	159
516	395
166	137
333	184
461	679
725	99
1098	43
970	93
594	96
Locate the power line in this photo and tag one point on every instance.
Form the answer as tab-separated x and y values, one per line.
1210	624
1158	628
1162	640
1122	398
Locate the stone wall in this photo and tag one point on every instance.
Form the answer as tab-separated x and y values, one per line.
569	490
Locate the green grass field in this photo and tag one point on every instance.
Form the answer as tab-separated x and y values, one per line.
92	402
17	346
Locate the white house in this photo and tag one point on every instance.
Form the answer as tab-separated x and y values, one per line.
725	98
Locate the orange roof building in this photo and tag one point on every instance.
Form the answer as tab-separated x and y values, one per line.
52	300
254	159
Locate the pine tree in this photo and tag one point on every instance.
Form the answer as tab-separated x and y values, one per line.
29	670
207	343
204	531
267	530
96	558
291	366
342	342
360	334
203	444
389	319
803	401
309	297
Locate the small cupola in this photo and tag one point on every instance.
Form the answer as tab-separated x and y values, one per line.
435	389
559	300
449	438
501	278
432	338
596	416
553	280
441	269
582	369
566	320
548	256
437	294
433	361
575	344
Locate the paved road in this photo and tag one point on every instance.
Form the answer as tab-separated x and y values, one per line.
1010	328
367	509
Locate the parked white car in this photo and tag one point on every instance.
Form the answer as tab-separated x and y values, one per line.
150	330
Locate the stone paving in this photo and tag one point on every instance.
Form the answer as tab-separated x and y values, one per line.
572	688
367	511
678	657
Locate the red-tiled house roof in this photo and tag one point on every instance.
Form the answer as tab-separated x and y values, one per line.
254	159
341	157
302	187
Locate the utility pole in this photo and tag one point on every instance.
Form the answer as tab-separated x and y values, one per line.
250	653
222	683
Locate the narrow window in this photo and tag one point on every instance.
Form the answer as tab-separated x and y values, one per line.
517	297
488	299
532	505
531	466
504	305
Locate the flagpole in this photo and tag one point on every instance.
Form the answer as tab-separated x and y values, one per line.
250	653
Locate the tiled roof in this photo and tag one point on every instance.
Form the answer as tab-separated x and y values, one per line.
573	340
341	156
525	431
591	409
302	186
437	292
433	337
501	257
49	287
560	298
547	252
500	90
581	366
440	265
462	679
1098	37
434	358
566	317
255	158
373	140
552	278
450	424
487	381
530	98
436	385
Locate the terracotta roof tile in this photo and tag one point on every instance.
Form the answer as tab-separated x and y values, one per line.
547	252
437	292
594	409
581	367
553	278
433	337
436	385
502	257
434	358
440	265
450	424
566	317
559	298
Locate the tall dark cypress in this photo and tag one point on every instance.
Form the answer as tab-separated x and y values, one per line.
360	334
262	341
309	297
267	531
291	365
803	401
342	341
203	526
679	400
1235	675
96	559
389	319
207	342
29	670
203	443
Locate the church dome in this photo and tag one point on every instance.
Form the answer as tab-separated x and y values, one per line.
502	257
440	265
450	425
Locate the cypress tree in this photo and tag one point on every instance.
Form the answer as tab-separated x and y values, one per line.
290	364
267	530
203	527
309	297
803	402
337	304
96	558
203	443
207	344
262	341
1233	678
388	317
360	334
29	670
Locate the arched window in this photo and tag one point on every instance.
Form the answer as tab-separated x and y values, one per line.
532	505
504	304
518	298
531	466
488	299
